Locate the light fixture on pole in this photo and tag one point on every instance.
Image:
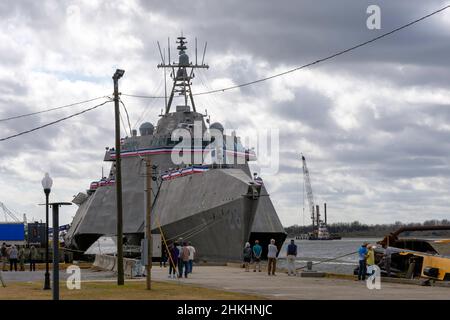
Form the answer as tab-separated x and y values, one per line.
47	184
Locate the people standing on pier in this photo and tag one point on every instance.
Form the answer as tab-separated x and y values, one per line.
185	259
362	254
272	258
33	258
4	256
291	255
257	251
191	256
174	252
247	253
22	258
13	254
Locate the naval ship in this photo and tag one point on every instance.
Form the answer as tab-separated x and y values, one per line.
211	198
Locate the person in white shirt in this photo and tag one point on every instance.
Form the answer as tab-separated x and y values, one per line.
272	258
191	256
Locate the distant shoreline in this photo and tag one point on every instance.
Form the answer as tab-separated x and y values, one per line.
356	229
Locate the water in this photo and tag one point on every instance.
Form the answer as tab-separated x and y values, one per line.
308	250
320	250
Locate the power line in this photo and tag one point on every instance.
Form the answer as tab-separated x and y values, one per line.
305	65
150	105
124	127
51	109
128	116
54	122
141	96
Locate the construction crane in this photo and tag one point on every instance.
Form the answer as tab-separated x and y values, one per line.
8	213
309	192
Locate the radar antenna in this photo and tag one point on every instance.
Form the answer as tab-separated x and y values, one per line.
182	73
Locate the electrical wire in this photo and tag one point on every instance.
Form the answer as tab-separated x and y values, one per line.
150	105
55	122
339	53
51	109
128	116
124	126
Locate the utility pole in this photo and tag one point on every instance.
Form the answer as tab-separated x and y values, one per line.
148	222
120	277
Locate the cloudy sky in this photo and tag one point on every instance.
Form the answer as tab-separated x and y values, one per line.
374	124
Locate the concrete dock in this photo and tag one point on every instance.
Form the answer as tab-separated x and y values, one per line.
283	286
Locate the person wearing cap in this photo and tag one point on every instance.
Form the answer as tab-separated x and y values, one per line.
362	256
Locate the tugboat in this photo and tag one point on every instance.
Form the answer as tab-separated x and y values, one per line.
204	193
319	226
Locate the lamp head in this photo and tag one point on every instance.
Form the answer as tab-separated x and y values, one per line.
119	73
47	182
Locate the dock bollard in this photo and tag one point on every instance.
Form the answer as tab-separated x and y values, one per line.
309	265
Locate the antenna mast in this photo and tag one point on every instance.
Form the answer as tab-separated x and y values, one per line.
182	77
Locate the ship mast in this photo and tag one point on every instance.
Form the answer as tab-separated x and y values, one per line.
182	73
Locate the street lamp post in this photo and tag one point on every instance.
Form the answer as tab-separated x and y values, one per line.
47	183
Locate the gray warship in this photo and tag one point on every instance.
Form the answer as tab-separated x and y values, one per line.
217	205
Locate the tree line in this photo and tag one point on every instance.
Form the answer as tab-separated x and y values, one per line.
357	229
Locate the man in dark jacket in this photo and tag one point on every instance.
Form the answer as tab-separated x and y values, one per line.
173	260
291	255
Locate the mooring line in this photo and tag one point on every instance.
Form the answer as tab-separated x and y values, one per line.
348	254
